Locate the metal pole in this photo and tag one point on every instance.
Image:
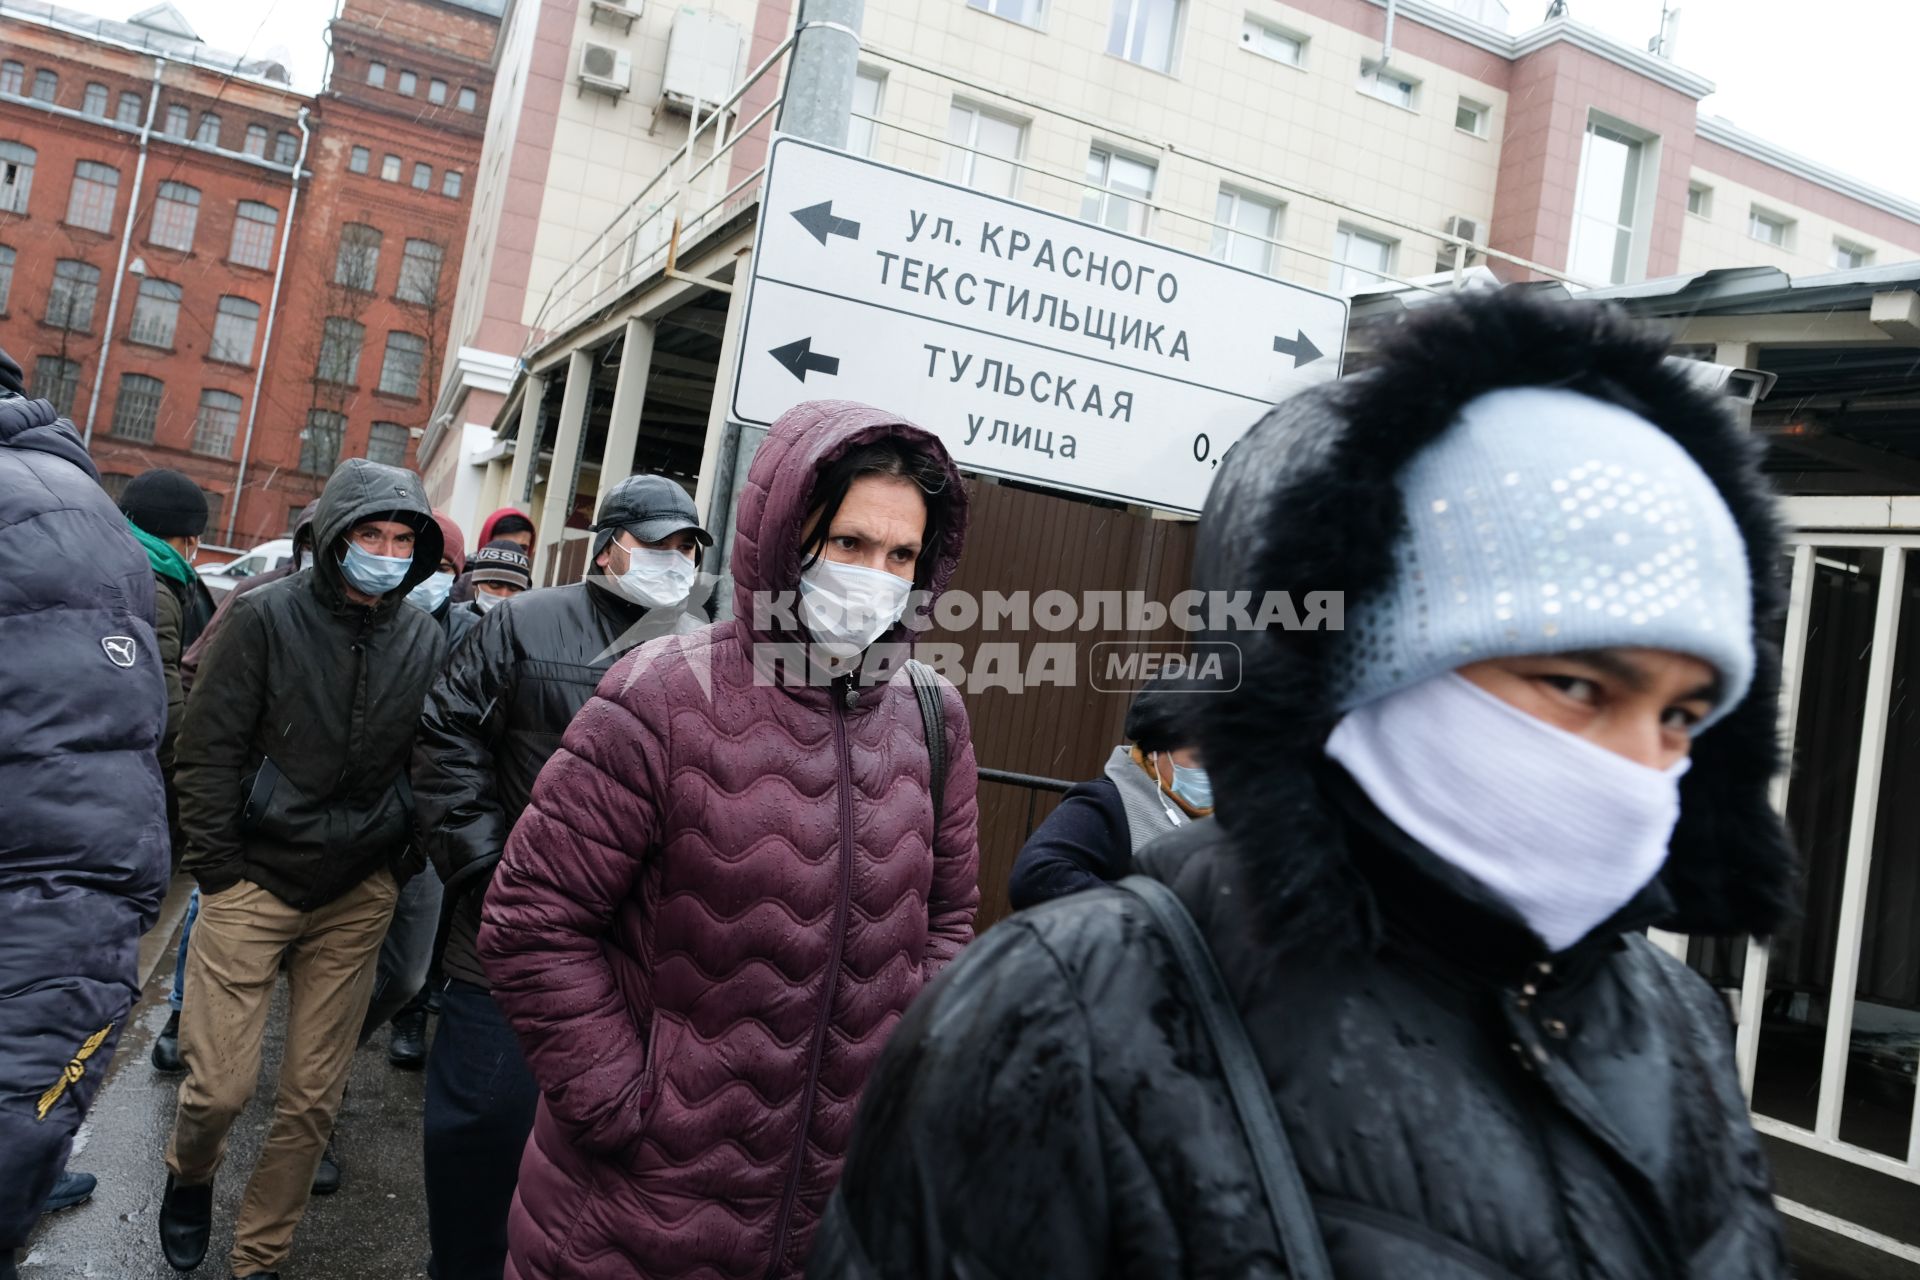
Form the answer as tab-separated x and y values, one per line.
120	268
818	104
266	340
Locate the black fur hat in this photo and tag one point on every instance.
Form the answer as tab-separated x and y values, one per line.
1308	501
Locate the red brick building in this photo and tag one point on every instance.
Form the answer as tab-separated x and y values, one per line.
212	272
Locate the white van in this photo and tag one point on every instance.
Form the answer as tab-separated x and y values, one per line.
219	578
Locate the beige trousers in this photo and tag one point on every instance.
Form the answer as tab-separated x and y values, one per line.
231	969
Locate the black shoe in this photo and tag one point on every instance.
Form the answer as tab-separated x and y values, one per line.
326	1179
166	1049
408	1047
186	1220
70	1190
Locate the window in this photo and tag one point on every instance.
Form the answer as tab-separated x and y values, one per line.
46	85
1769	228
422	177
377	74
866	109
1145	31
286	148
56	380
436	92
1246	224
405	360
94	101
1699	200
1850	257
174	124
1606	210
216	502
256	143
16	176
1472	117
408	83
218	423
1026	12
13	77
420	273
253	226
1120	185
387	443
359	159
176	212
1360	256
209	135
96	188
6	276
1387	84
357	261
156	311
1271	42
320	442
76	286
138	408
990	141
390	169
233	329
115	483
130	110
450	184
468	100
340	340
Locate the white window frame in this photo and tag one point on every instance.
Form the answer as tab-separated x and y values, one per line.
1227	228
1252	28
1343	237
1646	190
1036	9
1373	74
1482	117
1096	202
862	131
966	153
1705	202
1760	216
1175	36
1848	248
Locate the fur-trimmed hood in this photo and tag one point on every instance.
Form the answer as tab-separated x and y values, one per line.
1307	501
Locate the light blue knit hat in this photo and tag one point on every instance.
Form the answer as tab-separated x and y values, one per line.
1544	521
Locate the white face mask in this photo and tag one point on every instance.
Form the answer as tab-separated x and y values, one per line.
655	579
432	593
1563	831
847	607
487	601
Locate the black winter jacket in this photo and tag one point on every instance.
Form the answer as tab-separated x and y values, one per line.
1083	844
1462	1104
509	691
292	763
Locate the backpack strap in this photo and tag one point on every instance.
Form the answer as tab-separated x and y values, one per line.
933	717
1286	1194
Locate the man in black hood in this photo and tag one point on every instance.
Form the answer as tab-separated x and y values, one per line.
83	850
1432	1038
293	792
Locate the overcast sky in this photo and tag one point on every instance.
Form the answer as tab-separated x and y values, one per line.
1819	77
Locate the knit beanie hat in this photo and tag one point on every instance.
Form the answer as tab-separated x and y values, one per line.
503	562
166	504
453	543
1545	521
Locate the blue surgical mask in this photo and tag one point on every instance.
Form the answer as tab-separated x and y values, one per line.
371	574
432	593
1193	785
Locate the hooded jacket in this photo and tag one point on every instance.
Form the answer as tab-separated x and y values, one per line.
723	896
83	850
462	592
495	717
292	763
1461	1104
197	648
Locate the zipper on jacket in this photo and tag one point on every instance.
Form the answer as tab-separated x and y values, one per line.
842	909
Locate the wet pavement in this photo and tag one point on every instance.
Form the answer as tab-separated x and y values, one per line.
373	1228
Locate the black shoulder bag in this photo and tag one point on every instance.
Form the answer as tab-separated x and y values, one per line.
926	687
1286	1194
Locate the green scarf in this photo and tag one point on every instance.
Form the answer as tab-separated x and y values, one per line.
166	562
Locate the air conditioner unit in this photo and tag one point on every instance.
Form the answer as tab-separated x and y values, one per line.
703	61
606	69
1466	229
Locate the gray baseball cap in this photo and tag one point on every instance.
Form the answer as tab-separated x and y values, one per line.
650	508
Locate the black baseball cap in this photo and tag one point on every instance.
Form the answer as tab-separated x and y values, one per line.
649	507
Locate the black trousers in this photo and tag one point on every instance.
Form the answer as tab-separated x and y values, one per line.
480	1104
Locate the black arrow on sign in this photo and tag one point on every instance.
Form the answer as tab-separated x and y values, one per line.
819	220
798	359
1301	349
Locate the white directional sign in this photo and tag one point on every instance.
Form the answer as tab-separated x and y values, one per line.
1037	346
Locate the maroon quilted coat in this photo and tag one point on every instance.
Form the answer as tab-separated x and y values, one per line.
711	917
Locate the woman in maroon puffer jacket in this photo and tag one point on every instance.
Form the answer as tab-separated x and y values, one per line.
727	888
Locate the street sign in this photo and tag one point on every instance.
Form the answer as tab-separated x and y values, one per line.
1037	346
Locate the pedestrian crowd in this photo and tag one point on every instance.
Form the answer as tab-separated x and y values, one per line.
1337	969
